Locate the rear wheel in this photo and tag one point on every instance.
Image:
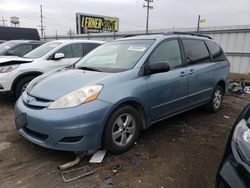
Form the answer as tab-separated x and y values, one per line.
216	100
122	130
22	85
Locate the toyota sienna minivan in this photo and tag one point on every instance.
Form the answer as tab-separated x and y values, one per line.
121	87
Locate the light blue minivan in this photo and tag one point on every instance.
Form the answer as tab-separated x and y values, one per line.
121	87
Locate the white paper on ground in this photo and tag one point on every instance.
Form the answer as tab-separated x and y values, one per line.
98	156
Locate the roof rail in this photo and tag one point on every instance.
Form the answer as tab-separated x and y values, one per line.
187	33
130	35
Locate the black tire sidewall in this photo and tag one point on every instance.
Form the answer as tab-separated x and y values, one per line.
109	144
20	84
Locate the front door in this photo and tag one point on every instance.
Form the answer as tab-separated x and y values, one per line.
63	62
167	91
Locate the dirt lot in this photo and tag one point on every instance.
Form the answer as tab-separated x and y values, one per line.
184	151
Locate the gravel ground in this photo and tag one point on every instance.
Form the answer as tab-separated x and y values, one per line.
183	151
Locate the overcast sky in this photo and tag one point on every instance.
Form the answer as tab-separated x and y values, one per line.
60	15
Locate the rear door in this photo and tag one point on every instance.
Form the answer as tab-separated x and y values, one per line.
200	71
167	91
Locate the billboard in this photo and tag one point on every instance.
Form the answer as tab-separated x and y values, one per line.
89	23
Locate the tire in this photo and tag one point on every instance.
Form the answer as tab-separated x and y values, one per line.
216	100
222	184
119	137
22	84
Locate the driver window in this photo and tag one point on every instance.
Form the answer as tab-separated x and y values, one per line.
66	50
168	51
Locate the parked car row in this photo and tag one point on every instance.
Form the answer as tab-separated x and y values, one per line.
85	95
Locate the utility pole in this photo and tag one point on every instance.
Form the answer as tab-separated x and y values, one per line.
148	6
3	20
198	25
41	17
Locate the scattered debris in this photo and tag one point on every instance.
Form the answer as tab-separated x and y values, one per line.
98	156
74	174
227	117
116	169
4	145
134	160
108	182
247	90
77	160
239	87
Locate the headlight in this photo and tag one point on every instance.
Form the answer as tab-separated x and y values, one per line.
241	137
8	68
77	97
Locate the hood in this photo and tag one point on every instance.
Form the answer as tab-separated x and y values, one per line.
59	83
13	60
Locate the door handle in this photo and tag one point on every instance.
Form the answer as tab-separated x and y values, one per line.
191	71
183	74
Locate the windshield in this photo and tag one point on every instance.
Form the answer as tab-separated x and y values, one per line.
42	50
115	56
6	46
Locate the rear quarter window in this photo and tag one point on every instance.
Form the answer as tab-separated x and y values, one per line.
216	51
196	51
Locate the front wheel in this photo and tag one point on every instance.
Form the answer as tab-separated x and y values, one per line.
22	85
122	130
216	100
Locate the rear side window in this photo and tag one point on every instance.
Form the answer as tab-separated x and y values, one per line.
196	51
91	46
216	51
22	50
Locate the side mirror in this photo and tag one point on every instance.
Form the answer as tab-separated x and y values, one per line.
159	67
58	56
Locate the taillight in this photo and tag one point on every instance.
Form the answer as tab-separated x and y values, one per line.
229	63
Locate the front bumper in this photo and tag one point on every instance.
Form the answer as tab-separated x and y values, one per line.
235	171
72	129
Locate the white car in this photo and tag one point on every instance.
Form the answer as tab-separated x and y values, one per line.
17	72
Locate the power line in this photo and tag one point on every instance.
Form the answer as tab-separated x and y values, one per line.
148	6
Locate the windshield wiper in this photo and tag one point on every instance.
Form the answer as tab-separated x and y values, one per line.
89	68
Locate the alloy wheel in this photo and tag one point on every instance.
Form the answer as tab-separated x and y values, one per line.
217	99
123	129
